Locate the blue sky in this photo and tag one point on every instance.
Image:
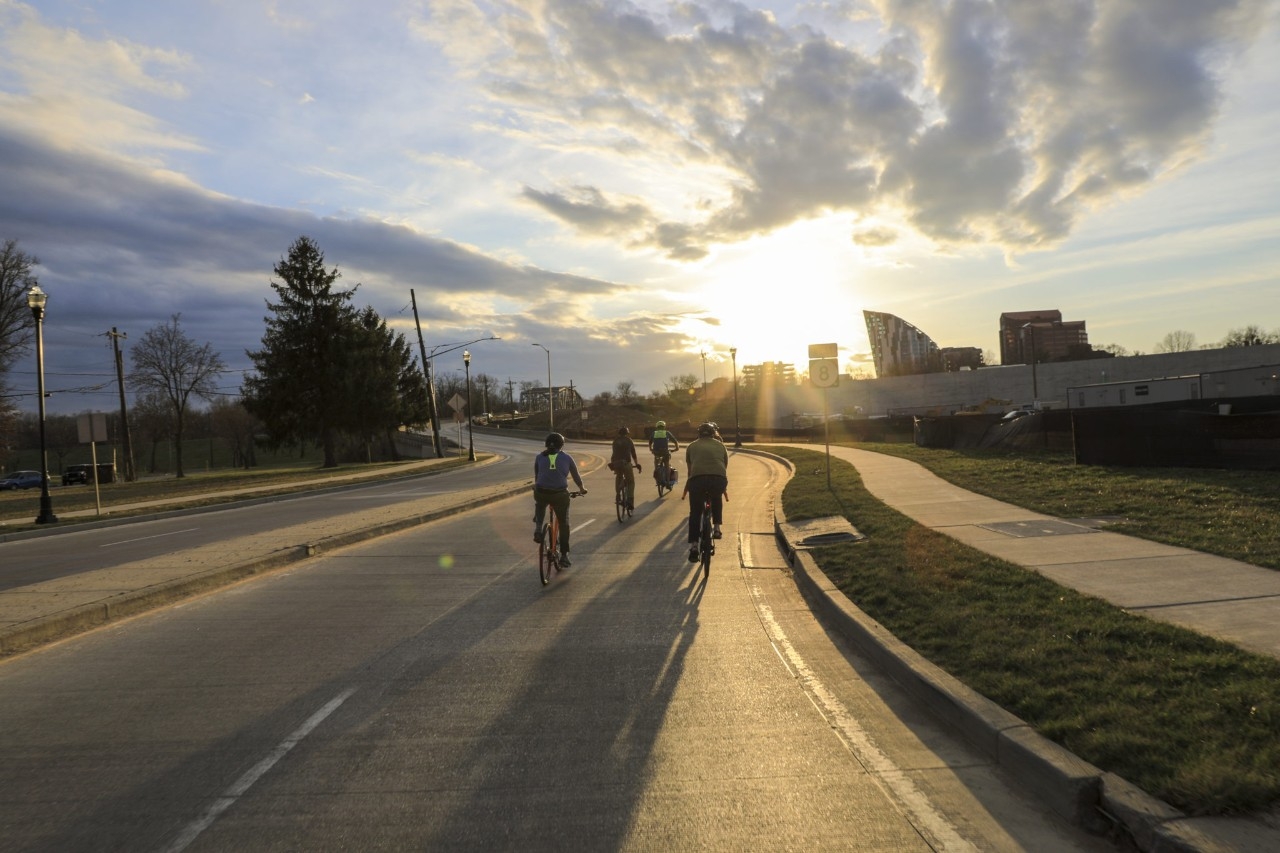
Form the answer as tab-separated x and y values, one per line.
634	184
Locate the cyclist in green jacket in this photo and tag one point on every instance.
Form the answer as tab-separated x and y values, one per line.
707	461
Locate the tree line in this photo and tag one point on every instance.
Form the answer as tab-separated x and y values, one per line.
328	374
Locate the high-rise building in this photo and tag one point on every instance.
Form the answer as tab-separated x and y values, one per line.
778	372
1044	332
899	348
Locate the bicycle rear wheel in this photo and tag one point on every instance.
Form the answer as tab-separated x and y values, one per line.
661	473
706	547
547	553
620	499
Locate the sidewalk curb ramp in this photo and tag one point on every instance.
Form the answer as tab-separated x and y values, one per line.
1100	802
45	629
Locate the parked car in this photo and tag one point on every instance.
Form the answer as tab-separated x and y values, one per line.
21	480
77	475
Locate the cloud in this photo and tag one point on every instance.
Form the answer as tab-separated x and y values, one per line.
978	123
125	246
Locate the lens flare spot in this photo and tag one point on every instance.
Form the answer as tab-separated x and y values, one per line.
446	561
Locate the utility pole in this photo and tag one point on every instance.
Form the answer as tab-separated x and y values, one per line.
127	445
431	385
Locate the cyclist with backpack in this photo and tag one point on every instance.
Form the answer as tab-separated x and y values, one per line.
661	445
552	469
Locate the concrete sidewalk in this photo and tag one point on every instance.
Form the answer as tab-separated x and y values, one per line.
1223	598
1230	600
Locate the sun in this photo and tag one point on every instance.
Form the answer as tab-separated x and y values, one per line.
773	296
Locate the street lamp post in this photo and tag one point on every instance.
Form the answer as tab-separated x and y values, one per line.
704	377
1035	391
471	443
429	359
36	299
737	423
551	397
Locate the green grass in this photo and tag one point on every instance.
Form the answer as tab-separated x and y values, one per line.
1191	720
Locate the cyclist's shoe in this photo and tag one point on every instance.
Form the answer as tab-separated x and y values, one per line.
564	561
715	534
693	554
631	507
537	535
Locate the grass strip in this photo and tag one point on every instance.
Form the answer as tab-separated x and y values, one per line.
1189	719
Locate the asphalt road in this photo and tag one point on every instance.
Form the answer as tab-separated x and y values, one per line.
73	551
423	691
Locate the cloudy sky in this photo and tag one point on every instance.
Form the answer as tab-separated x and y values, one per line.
633	184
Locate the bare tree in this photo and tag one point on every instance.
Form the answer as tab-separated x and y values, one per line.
231	421
169	363
17	326
626	393
1179	340
152	421
1250	336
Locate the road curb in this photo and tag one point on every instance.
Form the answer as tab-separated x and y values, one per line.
77	620
1100	802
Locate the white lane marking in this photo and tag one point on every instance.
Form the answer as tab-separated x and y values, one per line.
928	821
245	782
145	538
586	523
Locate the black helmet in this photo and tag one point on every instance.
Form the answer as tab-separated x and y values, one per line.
709	428
624	431
555	441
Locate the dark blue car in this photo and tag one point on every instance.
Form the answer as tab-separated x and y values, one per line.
21	480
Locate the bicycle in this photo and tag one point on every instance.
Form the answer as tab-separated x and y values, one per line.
661	475
620	495
549	556
706	543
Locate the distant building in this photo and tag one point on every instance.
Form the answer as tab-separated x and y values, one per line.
899	348
961	358
1044	336
769	372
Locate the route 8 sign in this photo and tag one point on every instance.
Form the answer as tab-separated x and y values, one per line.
824	372
824	365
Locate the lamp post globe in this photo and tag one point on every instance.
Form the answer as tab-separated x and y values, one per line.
36	299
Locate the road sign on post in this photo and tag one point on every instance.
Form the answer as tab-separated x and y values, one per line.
824	373
92	428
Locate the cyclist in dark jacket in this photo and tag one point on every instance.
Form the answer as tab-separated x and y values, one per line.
623	460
